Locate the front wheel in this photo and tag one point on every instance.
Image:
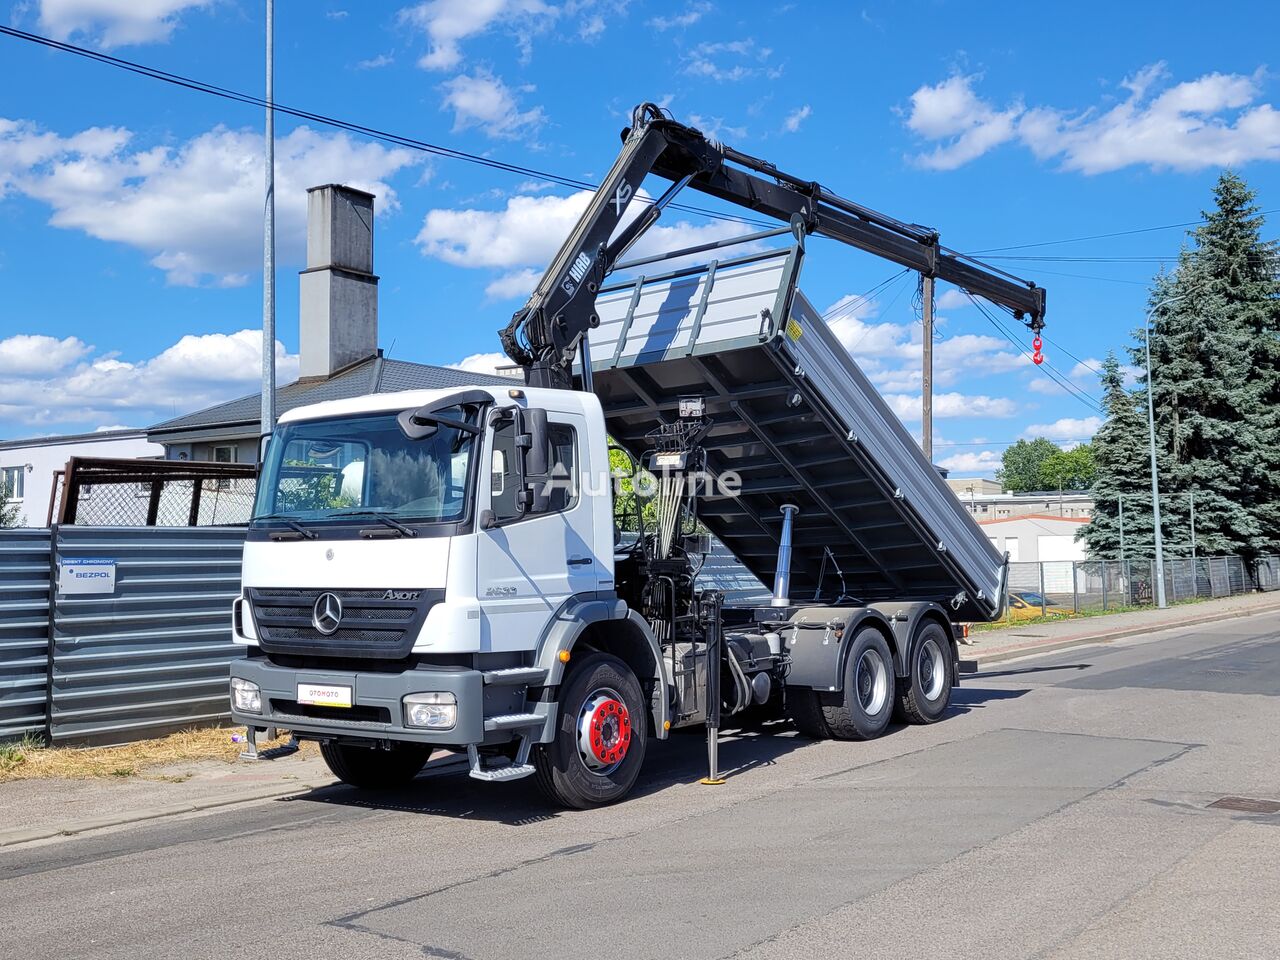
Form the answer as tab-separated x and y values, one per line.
373	769
925	693
600	734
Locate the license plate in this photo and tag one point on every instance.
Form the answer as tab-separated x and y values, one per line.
324	695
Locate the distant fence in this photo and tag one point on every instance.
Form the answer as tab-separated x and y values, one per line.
147	657
1085	586
99	491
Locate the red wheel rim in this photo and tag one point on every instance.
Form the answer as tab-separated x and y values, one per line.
604	731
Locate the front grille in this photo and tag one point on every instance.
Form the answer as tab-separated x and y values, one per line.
371	626
353	714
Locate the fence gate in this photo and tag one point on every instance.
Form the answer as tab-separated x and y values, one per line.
141	630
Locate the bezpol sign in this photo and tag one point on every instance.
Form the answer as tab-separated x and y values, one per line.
87	575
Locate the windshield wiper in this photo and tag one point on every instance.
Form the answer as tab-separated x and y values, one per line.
309	534
381	518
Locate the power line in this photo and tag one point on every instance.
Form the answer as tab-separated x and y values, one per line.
1049	370
1104	236
373	133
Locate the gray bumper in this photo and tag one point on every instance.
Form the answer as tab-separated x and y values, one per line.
380	690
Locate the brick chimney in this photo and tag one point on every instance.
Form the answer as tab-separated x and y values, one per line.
338	293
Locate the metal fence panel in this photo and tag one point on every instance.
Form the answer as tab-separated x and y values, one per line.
1266	573
24	631
152	656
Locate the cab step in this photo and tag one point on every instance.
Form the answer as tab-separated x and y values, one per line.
513	721
515	677
504	770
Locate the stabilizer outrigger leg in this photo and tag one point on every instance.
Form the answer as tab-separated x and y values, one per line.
711	601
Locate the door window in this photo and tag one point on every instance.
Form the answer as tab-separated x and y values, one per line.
504	480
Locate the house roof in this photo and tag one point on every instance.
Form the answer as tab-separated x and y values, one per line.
53	441
373	375
1034	516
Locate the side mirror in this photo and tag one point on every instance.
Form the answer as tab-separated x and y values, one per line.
533	438
488	519
262	448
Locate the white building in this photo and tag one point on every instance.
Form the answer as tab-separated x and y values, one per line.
28	467
1036	537
987	500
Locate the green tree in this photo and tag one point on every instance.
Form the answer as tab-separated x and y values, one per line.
1212	420
1020	467
1239	269
1122	473
1072	469
9	512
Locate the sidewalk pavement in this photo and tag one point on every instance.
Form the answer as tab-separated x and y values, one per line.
1020	640
39	809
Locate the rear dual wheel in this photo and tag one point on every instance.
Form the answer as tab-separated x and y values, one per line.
599	742
860	711
925	693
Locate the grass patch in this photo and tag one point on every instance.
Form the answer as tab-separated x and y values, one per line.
1082	615
28	760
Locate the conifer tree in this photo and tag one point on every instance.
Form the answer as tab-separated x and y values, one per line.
1121	458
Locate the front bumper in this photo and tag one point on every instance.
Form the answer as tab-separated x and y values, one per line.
373	693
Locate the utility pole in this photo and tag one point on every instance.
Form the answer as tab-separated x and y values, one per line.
926	380
1155	478
1120	502
269	243
1193	533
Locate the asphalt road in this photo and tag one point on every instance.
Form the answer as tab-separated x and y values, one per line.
1061	811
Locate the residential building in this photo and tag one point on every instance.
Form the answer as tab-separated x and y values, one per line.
29	468
1033	538
987	500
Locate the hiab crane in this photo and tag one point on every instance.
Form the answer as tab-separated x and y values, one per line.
453	569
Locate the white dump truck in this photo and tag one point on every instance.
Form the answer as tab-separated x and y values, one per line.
457	569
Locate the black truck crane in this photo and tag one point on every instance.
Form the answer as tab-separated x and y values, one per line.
543	337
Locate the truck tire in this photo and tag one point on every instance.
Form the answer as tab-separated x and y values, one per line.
865	706
802	707
599	744
925	693
372	769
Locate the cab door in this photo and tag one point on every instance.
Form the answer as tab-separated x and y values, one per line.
528	566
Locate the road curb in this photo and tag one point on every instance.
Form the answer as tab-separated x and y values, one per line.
1050	645
9	838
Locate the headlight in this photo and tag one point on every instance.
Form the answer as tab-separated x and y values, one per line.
435	711
245	696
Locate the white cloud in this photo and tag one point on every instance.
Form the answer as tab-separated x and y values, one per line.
114	23
509	286
376	63
946	405
1067	428
952	299
795	118
731	60
483	100
716	128
483	363
951	111
1211	121
529	230
27	353
972	462
197	371
678	21
194	209
447	23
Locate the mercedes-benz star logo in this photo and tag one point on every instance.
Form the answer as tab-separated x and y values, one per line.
327	613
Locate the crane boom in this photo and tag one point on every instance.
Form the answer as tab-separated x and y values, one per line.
544	335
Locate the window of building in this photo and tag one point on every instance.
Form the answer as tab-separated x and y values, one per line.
224	454
504	484
13	482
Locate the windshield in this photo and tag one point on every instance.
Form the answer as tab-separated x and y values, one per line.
363	465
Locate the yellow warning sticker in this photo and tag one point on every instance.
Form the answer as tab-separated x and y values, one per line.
794	330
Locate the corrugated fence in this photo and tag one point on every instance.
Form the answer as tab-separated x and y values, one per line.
146	658
25	581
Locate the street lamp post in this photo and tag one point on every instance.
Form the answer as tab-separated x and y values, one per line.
1155	480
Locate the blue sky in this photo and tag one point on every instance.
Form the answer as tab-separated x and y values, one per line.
130	245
